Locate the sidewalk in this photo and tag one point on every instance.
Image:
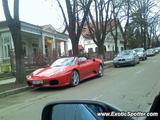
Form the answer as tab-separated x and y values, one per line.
7	81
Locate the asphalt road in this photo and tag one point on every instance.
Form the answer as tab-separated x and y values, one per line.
129	88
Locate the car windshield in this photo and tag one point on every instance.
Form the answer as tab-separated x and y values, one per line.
149	50
64	62
125	53
138	50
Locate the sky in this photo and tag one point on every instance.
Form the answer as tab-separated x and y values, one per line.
38	12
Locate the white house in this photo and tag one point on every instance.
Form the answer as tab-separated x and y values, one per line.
89	45
36	39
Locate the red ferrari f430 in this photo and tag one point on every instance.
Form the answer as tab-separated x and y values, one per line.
66	71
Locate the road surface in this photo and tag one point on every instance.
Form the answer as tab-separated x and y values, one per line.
129	88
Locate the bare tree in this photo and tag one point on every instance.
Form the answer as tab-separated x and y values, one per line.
98	24
115	6
73	21
15	29
141	10
125	21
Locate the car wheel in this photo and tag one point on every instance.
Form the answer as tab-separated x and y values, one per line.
75	78
146	58
100	71
116	66
133	63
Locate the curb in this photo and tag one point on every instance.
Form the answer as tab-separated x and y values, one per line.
25	88
108	65
14	91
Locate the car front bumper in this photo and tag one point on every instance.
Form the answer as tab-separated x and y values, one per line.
57	81
121	63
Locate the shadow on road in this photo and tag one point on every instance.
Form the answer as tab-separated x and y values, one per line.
65	87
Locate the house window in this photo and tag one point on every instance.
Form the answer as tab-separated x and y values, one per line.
122	48
96	49
46	50
6	44
35	49
113	48
24	51
6	50
90	50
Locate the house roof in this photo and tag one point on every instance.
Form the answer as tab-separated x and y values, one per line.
38	30
86	32
80	47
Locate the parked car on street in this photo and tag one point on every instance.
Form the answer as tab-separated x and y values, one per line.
141	53
126	57
66	71
150	52
157	50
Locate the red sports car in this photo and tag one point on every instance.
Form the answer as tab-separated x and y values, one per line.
66	71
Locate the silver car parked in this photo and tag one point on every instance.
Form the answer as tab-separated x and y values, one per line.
126	57
141	53
150	52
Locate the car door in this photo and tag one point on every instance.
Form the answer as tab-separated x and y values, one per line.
136	57
85	67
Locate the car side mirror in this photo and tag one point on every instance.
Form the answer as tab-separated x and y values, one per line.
79	110
47	65
94	60
80	62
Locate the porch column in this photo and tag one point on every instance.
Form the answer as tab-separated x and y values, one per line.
43	44
65	48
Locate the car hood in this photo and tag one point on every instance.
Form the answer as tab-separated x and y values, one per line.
123	57
140	53
48	72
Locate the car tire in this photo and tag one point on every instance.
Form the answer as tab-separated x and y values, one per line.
133	63
100	71
116	66
75	79
146	58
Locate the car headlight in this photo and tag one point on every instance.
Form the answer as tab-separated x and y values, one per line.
114	60
59	71
129	59
140	54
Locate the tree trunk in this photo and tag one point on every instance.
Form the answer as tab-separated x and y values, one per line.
116	46
145	39
101	52
125	42
75	48
16	35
